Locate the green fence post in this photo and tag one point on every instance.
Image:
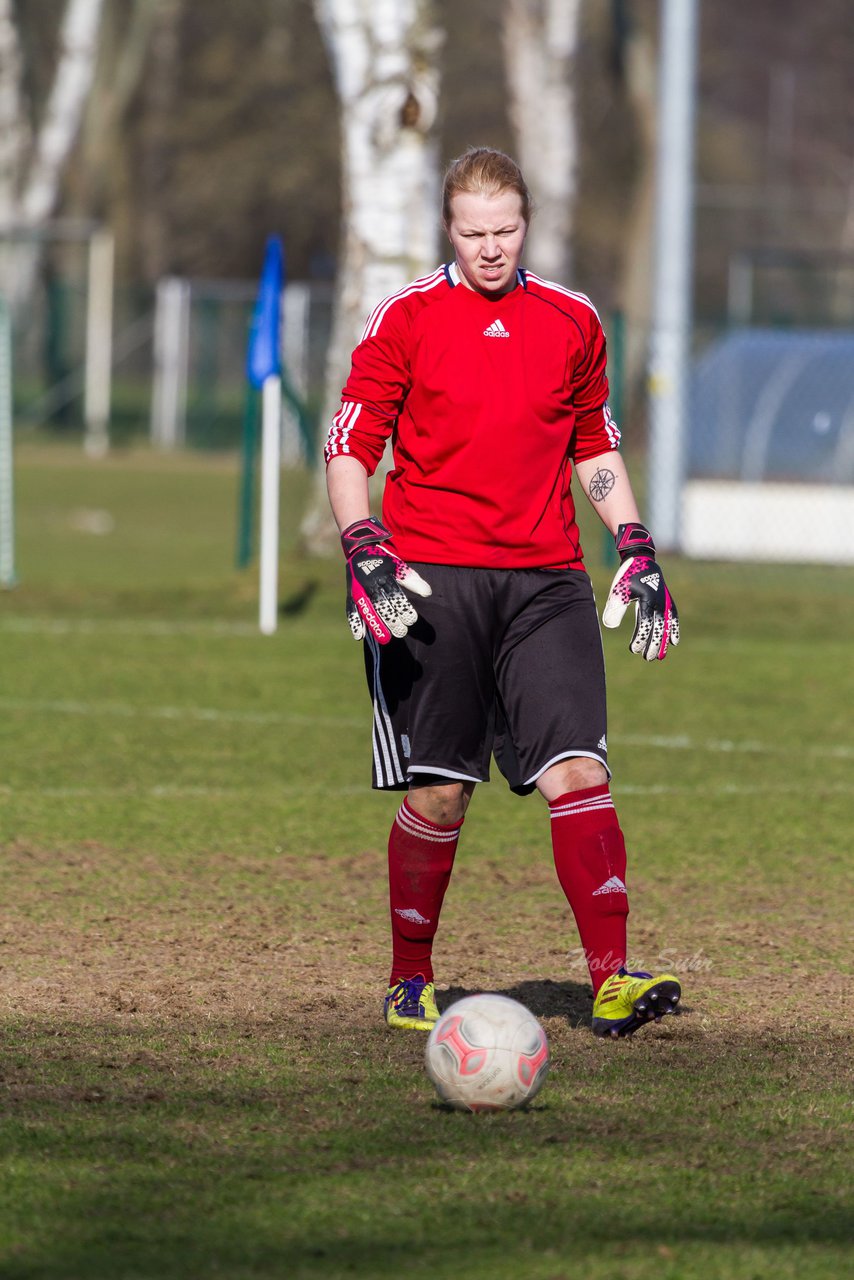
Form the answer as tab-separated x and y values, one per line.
616	364
7	516
616	371
306	427
246	514
204	400
56	343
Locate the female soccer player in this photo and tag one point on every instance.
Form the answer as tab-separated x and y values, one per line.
491	383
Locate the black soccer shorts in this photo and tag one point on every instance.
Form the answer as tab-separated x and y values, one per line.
503	661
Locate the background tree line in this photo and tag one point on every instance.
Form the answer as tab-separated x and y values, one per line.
203	127
208	125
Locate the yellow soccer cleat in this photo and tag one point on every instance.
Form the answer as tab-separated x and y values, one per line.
628	1000
411	1003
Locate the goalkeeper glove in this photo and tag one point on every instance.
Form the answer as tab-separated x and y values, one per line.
375	576
639	578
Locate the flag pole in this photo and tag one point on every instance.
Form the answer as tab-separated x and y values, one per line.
271	430
246	499
264	370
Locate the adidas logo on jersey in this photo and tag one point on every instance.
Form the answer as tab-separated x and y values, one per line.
496	330
614	885
652	580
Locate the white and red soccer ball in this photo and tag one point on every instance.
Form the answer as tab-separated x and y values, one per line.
487	1053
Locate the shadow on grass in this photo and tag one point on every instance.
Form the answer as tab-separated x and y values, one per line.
532	1234
298	601
544	998
266	1149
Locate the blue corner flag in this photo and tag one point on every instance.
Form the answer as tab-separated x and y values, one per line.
264	355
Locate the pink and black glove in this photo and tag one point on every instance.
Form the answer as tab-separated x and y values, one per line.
639	578
375	578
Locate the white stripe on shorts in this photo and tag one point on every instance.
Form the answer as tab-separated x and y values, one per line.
445	773
385	747
568	755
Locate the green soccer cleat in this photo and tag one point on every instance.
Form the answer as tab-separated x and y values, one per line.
628	1000
411	1004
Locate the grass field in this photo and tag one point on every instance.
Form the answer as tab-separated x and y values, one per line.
194	1080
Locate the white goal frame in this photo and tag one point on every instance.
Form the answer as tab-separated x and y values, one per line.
98	360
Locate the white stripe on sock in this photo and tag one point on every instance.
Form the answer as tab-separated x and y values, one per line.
588	806
413	825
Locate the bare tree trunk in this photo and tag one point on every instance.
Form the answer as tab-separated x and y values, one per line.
123	50
75	71
162	89
384	55
37	187
14	135
636	284
540	40
13	131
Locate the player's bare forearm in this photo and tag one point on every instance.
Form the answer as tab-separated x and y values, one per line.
605	481
639	579
347	486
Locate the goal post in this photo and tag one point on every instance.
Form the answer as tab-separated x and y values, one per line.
95	377
7	512
99	343
670	339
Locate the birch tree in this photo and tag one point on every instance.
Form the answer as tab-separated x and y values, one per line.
161	99
32	161
385	62
540	41
124	42
638	63
13	126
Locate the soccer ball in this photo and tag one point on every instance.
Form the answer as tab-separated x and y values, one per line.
487	1053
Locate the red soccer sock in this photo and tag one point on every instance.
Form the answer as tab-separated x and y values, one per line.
420	860
590	858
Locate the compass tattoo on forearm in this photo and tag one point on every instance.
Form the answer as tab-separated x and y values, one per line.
601	484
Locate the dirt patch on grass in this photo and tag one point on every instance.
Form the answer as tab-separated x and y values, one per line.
92	934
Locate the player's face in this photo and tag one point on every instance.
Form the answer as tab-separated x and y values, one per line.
488	235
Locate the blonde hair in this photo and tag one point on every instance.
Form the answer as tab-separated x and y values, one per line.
484	171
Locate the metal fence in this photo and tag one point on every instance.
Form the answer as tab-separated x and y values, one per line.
775	405
178	360
771	447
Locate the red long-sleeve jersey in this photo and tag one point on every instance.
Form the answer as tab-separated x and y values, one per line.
489	402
